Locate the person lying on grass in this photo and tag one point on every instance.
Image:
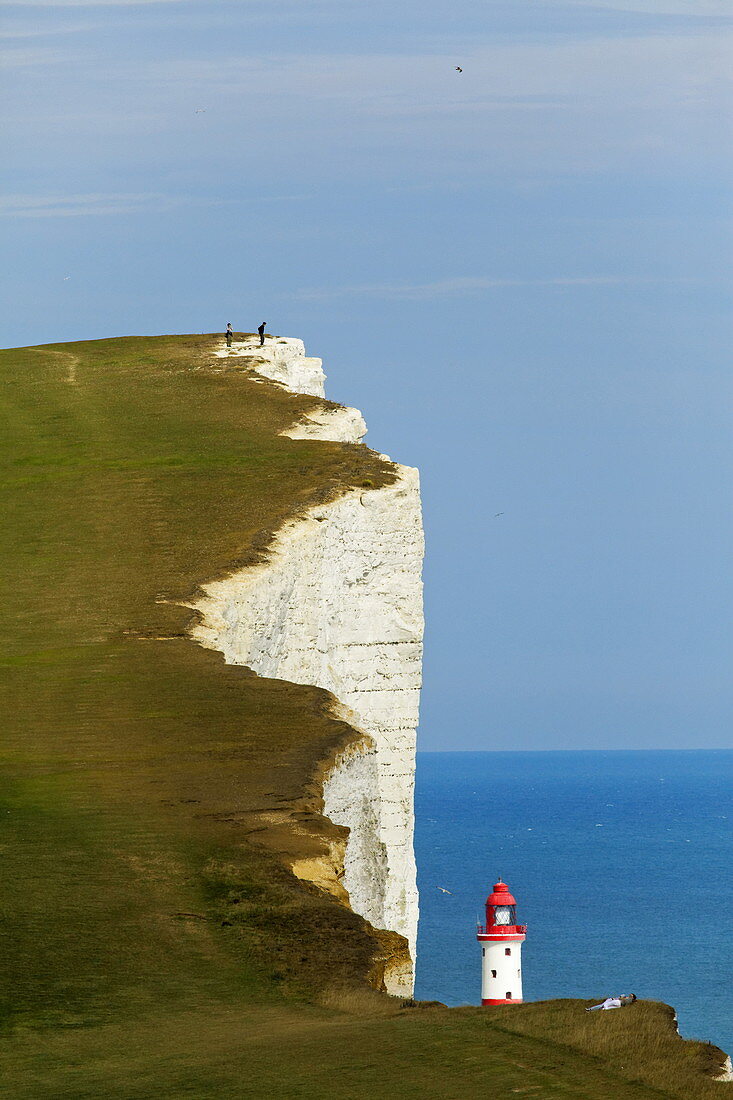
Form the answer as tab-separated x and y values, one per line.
615	1002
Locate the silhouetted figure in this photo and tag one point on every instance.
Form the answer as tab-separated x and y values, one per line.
230	333
261	330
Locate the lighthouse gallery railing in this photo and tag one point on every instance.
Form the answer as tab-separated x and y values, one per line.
511	929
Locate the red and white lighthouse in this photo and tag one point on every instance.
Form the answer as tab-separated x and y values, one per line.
501	940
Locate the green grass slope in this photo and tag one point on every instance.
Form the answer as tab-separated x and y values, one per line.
149	945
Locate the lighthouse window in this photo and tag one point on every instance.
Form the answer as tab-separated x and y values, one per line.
504	914
509	995
507	950
483	952
493	973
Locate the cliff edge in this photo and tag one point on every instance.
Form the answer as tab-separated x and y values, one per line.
338	604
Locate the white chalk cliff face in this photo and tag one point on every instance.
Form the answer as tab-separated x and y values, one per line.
282	359
339	605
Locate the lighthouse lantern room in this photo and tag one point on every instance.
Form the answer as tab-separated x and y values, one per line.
501	940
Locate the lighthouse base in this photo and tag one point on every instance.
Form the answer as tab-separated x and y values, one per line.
502	1001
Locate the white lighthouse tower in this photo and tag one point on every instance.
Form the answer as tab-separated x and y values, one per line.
501	940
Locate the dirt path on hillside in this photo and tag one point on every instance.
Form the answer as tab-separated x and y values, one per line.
71	362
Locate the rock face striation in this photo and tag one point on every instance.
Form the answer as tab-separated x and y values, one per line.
338	604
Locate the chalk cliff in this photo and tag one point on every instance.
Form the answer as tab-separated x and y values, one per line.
281	359
338	604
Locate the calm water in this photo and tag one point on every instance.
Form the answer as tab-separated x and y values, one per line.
620	863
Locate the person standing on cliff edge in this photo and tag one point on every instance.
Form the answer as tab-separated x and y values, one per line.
261	330
229	334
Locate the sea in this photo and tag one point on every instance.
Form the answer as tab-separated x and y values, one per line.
621	864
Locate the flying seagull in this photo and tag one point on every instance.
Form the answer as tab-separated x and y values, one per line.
66	277
200	111
459	69
497	514
445	891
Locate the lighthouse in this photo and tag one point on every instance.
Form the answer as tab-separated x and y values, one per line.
501	940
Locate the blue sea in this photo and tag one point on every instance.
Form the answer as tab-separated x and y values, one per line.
620	863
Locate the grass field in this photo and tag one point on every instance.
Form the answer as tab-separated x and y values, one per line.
148	946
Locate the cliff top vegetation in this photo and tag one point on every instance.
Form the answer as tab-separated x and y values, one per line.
154	941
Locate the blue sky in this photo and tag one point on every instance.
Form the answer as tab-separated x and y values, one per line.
521	273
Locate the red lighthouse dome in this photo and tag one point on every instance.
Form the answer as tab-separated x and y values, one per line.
501	913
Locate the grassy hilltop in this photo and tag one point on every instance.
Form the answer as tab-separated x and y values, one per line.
153	941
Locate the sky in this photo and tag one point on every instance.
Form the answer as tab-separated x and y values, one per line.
520	273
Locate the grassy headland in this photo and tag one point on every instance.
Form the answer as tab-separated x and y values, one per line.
149	947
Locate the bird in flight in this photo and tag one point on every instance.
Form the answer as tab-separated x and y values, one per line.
66	277
200	111
446	891
497	514
459	69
